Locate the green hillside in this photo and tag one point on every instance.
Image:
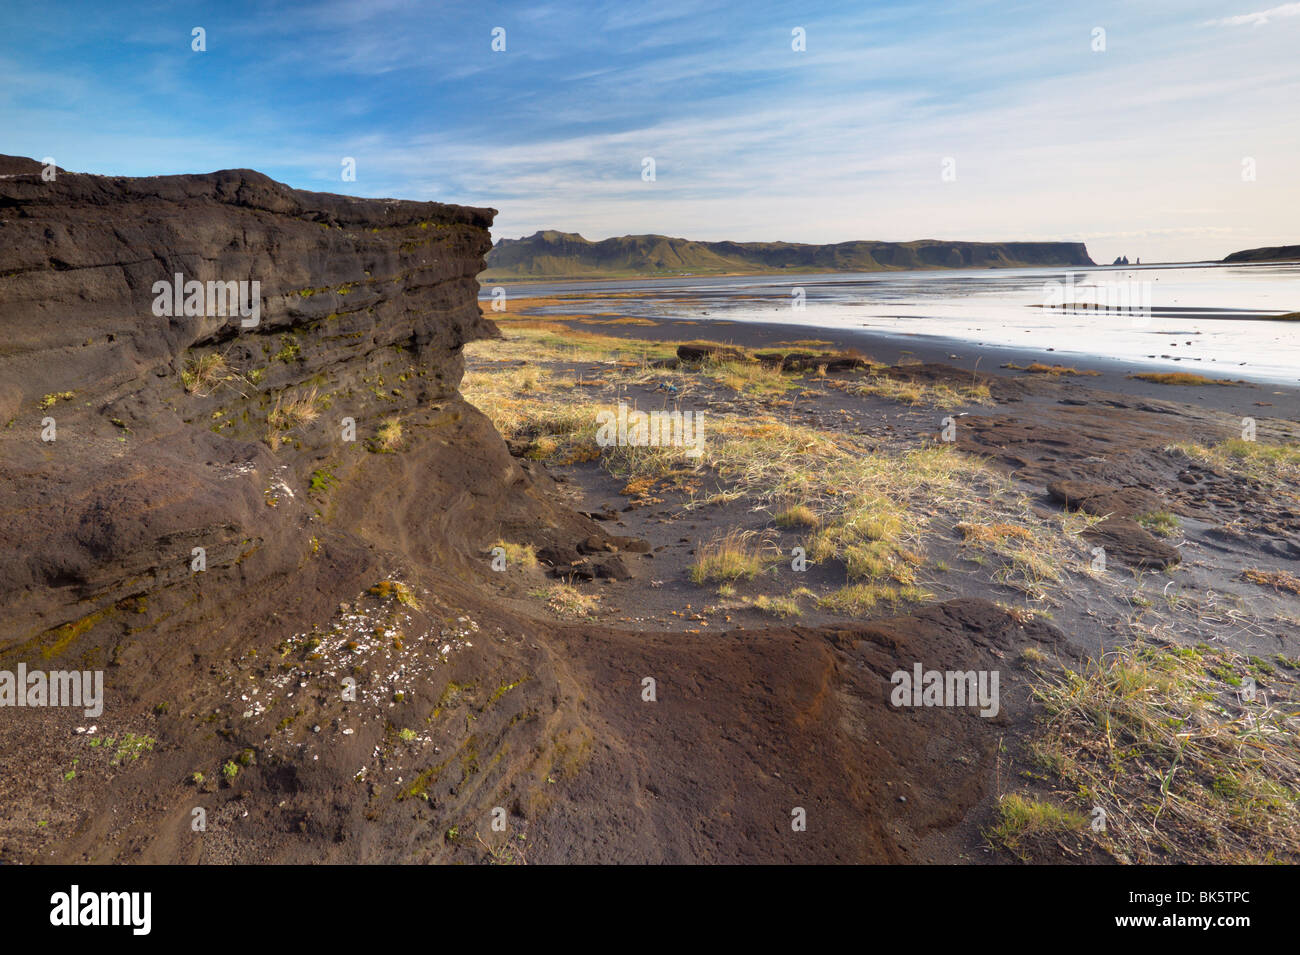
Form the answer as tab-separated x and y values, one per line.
554	255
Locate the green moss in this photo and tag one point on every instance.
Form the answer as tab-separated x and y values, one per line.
503	689
323	481
54	641
289	349
449	695
48	401
1160	523
419	786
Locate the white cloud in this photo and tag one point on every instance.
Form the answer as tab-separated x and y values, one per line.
1255	19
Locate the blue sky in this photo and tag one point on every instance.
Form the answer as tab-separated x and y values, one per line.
1137	149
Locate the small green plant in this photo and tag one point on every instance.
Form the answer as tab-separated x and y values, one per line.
323	481
407	735
289	351
132	747
230	770
1160	523
1021	818
48	401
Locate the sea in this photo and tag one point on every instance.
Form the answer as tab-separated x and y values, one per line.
1209	318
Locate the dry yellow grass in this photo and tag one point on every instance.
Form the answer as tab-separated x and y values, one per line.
293	411
991	533
203	373
566	600
736	556
1055	371
869	510
877	385
1279	580
1192	753
1179	378
389	434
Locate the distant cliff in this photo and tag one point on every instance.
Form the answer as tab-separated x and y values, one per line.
1274	253
553	254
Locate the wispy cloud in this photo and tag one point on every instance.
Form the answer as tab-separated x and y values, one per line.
1261	17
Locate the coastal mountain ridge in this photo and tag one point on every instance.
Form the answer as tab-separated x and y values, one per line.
1275	253
553	254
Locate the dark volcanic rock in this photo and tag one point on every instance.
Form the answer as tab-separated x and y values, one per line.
807	361
698	353
1101	500
1133	544
201	502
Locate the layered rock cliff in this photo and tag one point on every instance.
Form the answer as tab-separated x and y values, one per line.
267	528
182	495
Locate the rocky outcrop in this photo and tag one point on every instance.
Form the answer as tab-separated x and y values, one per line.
179	493
131	438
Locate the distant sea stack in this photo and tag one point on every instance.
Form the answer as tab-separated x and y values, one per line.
1273	253
552	254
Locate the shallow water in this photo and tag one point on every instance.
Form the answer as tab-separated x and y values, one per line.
1204	318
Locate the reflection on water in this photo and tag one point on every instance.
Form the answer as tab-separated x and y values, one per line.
1211	316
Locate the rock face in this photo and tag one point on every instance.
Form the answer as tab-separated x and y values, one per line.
271	539
178	432
178	491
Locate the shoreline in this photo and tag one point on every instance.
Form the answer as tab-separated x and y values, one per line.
1253	398
485	278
